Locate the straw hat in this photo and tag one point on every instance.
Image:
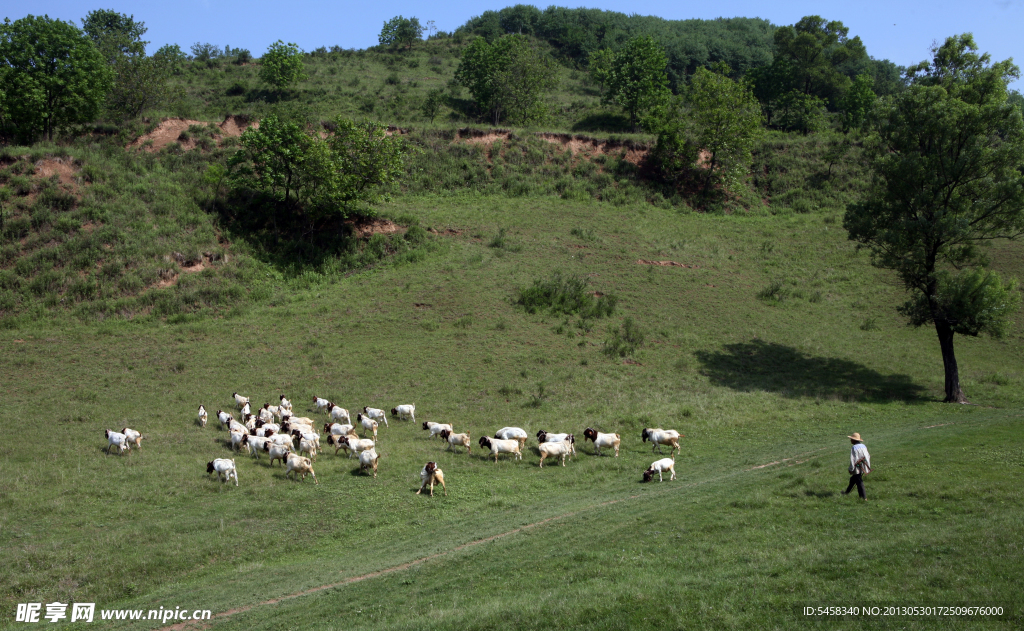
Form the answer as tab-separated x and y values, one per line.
856	437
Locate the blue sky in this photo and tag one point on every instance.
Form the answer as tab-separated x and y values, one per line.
901	31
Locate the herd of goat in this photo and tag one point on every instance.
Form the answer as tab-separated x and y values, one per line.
275	431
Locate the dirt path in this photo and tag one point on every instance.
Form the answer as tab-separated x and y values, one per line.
191	624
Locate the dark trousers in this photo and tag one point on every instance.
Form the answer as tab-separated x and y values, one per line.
859	481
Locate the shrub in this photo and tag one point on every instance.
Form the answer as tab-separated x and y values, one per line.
625	340
567	295
774	293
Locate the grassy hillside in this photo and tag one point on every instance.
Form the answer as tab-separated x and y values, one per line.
135	285
751	377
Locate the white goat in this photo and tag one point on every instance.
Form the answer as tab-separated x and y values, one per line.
435	429
265	414
240	401
554	450
502	447
256	444
277	452
368	424
224	417
548	437
223	467
133	436
320	404
661	437
116	438
286	404
407	412
602	440
238	439
282	439
375	414
338	414
509	433
351	443
300	465
368	459
201	417
337	429
658	466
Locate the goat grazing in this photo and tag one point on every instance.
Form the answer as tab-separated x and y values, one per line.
404	412
201	417
431	475
658	466
368	459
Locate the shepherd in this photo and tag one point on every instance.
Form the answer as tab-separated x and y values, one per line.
860	465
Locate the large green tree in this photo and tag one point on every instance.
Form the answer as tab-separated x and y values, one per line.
115	34
139	81
281	65
400	31
726	120
947	178
507	79
636	79
53	76
320	177
817	52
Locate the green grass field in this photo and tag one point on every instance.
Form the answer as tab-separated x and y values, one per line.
775	343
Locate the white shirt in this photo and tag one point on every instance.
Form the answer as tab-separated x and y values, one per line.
858	453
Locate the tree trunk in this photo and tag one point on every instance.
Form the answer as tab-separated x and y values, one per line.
954	393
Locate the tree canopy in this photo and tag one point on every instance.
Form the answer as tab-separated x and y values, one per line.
298	169
281	65
507	78
115	34
947	178
742	43
636	78
400	31
53	75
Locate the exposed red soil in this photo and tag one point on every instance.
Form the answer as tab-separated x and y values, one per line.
582	146
63	168
170	130
368	228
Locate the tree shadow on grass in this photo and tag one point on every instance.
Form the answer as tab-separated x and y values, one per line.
758	365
